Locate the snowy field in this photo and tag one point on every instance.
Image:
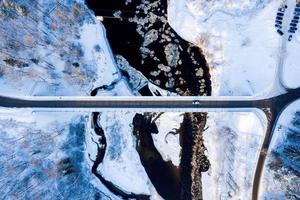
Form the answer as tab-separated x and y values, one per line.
45	57
62	168
42	155
239	41
233	142
291	67
121	162
291	70
243	51
52	49
280	178
67	58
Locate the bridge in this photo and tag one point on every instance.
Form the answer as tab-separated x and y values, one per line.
134	103
271	106
143	103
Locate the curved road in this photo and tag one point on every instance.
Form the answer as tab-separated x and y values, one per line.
276	107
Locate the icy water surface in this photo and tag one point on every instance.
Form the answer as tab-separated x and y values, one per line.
139	31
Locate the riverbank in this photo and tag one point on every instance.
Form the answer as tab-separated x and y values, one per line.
152	47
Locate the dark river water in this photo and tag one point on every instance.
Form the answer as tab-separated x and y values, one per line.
139	32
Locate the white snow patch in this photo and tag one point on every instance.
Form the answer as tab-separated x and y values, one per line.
233	142
121	163
291	70
238	39
168	144
91	36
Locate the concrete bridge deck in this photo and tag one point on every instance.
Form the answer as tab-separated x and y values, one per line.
178	103
271	106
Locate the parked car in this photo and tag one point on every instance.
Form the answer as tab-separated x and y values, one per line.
281	9
280	14
279	18
293	24
297	9
295	21
278	22
280	32
290	38
297	14
278	26
291	31
293	28
298	5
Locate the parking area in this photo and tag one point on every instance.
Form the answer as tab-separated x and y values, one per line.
291	22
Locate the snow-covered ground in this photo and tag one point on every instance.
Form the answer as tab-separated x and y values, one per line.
52	49
233	142
238	38
61	49
42	156
121	163
281	175
291	68
62	167
166	140
243	50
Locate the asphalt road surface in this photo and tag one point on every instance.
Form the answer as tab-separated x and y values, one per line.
272	107
117	102
150	102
